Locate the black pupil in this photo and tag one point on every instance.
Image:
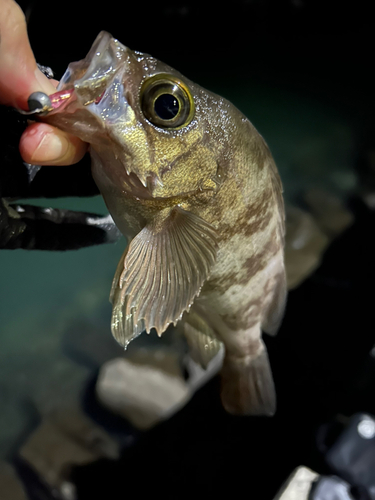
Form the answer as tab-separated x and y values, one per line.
166	106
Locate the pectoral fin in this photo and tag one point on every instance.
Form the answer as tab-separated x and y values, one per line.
116	278
124	329
163	271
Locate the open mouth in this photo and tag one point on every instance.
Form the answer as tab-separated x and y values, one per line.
60	97
41	104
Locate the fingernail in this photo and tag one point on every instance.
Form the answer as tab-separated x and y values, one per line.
51	148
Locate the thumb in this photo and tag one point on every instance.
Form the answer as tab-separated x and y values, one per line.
19	74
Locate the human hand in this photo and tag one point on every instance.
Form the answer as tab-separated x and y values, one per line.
26	226
37	228
40	144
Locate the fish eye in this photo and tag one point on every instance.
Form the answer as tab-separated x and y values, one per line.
167	102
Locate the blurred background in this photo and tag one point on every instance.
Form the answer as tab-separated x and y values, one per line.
302	72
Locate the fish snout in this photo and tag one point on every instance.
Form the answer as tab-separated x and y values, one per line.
92	76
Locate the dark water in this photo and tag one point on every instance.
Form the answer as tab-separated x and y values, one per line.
40	303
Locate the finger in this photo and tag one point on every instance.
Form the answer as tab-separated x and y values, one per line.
19	75
42	144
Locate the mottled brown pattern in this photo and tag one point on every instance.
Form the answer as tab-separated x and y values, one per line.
219	284
275	290
251	220
251	266
260	260
245	317
252	350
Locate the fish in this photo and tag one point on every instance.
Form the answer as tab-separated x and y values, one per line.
193	187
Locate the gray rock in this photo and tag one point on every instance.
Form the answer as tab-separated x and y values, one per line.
144	390
329	212
64	439
332	488
304	245
298	485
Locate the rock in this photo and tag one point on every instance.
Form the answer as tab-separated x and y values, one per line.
329	212
198	376
144	390
10	485
332	488
93	438
304	245
308	234
366	172
298	485
64	439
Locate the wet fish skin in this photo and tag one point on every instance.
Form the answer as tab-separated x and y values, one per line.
201	203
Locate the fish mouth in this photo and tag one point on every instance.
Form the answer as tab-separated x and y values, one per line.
61	97
91	102
91	77
88	80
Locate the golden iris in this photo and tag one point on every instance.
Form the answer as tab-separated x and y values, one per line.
167	102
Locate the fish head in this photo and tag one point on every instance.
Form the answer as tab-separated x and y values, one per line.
147	125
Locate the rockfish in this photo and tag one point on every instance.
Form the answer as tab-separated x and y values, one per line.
193	186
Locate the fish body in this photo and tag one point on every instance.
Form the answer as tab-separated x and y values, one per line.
193	186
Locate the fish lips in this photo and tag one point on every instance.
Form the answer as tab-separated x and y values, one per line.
95	95
91	77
